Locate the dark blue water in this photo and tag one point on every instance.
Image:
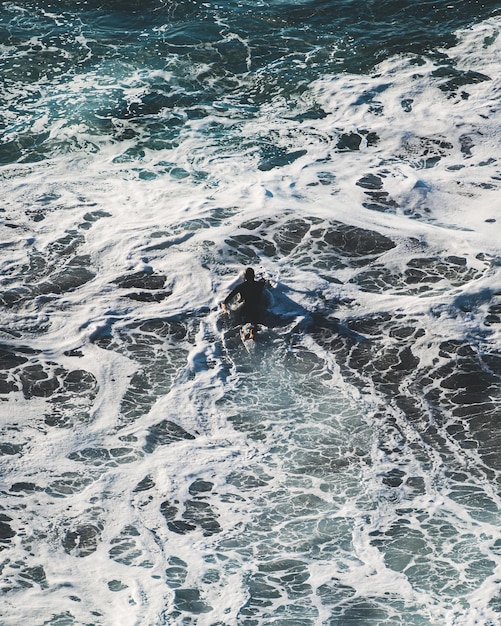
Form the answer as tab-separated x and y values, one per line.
346	470
245	53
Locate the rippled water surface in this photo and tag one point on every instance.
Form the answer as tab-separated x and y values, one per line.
346	470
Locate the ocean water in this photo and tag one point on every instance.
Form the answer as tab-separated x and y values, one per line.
348	470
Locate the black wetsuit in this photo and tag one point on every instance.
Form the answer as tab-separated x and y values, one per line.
251	292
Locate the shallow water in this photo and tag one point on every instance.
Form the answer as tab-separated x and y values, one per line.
346	471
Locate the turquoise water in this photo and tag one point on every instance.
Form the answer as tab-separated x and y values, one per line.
80	62
346	471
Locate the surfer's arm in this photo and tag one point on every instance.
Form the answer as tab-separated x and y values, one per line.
229	297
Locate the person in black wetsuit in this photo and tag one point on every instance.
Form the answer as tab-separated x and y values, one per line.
250	292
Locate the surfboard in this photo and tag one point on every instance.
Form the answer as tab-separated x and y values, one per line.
247	336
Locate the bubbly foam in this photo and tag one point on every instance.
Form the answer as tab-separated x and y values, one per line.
154	472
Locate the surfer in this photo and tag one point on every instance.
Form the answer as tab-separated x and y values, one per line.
249	294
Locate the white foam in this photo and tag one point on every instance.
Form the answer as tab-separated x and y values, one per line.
259	430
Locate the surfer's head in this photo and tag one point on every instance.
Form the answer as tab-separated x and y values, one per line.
249	274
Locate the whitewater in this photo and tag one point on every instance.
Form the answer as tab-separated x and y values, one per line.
152	471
